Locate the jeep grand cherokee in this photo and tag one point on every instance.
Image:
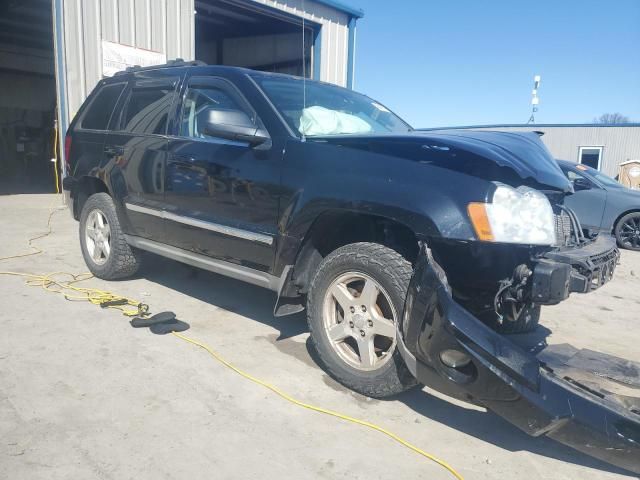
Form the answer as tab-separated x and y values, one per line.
415	254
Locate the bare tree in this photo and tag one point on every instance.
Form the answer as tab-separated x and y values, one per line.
612	118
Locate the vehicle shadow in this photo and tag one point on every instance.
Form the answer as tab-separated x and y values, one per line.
491	428
223	292
257	304
487	426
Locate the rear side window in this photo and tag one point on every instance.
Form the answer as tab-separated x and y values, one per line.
101	108
147	110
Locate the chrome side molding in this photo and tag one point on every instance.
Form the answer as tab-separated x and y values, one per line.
194	222
148	211
239	272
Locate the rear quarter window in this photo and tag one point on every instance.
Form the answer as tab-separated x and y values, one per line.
101	107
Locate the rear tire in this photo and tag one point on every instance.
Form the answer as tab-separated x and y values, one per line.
627	231
354	303
104	247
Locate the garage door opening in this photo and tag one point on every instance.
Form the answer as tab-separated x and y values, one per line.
243	34
28	99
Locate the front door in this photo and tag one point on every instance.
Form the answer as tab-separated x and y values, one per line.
221	196
587	202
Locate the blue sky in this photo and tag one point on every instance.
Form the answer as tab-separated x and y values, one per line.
465	62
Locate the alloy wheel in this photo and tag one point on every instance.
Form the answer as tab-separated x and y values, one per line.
98	237
360	321
630	232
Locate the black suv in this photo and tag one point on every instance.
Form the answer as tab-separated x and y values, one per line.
416	254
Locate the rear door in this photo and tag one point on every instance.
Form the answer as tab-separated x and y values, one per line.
88	132
137	146
221	195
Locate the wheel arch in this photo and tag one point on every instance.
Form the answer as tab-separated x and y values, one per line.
84	187
621	216
335	228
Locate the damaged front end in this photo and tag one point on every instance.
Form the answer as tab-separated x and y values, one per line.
583	399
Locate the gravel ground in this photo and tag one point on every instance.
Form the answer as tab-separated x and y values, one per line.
83	395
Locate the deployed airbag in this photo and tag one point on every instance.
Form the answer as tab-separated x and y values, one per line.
318	120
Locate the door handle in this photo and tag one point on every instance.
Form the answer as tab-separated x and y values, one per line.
114	150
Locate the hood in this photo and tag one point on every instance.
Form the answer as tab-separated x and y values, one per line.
522	153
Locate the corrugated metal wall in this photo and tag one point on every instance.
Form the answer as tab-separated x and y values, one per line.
620	143
161	25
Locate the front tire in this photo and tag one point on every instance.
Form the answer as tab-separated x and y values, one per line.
104	247
354	303
627	231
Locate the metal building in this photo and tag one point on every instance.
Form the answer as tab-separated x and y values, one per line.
53	52
603	147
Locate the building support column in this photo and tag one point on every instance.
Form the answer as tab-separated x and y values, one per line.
60	73
351	54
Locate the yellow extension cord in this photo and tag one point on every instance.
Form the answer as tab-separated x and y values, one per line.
55	157
332	413
52	283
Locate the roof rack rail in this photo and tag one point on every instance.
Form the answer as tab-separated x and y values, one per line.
178	62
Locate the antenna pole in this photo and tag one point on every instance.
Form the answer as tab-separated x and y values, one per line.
534	99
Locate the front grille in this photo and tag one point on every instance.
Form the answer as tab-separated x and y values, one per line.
563	229
603	258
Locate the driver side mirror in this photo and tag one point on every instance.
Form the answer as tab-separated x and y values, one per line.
581	184
233	125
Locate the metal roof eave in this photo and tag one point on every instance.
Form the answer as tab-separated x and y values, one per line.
352	12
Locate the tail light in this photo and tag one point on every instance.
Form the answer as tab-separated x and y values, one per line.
67	152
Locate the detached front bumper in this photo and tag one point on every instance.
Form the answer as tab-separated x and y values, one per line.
551	395
569	270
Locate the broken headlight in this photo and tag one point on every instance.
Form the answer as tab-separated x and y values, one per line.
521	215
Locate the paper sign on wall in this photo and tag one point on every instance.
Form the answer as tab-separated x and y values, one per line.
117	57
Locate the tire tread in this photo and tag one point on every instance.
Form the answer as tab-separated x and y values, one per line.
124	261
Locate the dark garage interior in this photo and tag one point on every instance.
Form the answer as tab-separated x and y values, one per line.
27	114
250	35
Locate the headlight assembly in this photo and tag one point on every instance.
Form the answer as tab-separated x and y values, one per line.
521	215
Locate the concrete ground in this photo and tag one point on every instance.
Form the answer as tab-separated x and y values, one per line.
84	395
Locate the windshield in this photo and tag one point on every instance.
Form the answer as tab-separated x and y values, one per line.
605	180
315	109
